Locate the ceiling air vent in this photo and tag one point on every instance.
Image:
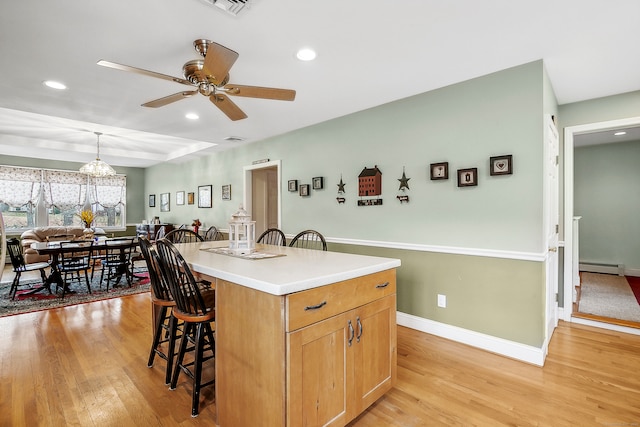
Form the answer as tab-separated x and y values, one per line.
233	7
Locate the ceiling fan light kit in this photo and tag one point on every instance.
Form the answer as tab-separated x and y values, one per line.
209	77
97	167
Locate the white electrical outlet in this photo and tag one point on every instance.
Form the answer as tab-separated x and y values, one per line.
442	301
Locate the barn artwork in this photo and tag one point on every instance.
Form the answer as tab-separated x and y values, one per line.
370	187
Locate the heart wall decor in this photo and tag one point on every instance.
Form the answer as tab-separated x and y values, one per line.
501	165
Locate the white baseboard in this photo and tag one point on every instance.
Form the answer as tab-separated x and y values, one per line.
602	268
618	269
514	350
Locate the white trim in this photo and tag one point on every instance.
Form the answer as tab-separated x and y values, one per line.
512	349
491	253
569	132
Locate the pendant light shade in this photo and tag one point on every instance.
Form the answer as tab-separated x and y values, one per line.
97	167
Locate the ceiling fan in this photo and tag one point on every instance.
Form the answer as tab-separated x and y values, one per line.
210	77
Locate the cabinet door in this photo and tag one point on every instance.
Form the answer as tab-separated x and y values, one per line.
375	353
318	379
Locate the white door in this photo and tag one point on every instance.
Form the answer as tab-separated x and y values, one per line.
262	194
264	199
551	149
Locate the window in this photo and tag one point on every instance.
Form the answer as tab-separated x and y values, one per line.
32	197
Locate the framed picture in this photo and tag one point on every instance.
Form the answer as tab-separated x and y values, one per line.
439	171
191	198
467	177
501	165
226	192
152	200
293	185
318	183
180	198
164	202
304	189
204	196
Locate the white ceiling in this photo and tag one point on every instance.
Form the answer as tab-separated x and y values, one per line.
370	52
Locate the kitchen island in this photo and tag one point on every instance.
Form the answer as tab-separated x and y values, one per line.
303	337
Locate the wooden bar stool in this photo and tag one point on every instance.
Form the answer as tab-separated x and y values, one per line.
195	306
165	321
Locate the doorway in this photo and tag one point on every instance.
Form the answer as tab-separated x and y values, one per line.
571	278
262	198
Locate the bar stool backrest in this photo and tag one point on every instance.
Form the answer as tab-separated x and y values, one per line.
183	286
159	286
183	235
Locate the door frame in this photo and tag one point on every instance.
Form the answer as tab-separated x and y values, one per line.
551	223
247	173
569	147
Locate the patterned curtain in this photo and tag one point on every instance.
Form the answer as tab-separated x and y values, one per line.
64	190
109	192
19	186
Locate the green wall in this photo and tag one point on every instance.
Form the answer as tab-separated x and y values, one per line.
135	181
498	297
606	195
597	110
463	124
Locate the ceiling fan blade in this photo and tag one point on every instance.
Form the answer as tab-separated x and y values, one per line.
161	102
260	92
143	72
218	62
227	106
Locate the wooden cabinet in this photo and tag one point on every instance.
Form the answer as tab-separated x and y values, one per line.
316	357
341	365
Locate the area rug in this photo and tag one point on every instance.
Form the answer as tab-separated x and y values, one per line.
44	301
634	282
608	295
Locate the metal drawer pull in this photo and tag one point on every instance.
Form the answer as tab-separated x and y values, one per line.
359	328
315	307
351	333
382	285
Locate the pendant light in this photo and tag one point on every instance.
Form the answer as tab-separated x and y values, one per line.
97	167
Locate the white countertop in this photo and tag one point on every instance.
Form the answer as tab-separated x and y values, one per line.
297	270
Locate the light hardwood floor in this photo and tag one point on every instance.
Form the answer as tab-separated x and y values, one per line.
85	365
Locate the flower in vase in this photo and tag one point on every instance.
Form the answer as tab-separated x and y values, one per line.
87	218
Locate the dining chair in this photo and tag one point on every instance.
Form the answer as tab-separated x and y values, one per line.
213	234
183	235
14	248
273	236
165	321
75	258
117	260
195	307
309	239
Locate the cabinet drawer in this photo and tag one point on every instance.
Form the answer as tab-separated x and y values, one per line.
307	307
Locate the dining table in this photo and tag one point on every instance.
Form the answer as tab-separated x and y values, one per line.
54	250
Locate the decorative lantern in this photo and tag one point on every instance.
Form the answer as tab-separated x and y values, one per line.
242	233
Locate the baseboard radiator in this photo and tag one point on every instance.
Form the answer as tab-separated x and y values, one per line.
597	267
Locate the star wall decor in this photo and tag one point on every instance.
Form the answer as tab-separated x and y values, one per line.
404	181
341	185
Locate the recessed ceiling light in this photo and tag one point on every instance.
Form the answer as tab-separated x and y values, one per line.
306	54
620	133
192	116
54	85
